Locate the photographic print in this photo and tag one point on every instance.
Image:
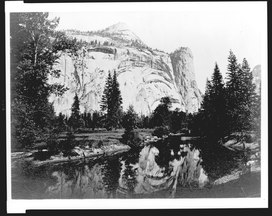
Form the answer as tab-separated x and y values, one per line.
137	101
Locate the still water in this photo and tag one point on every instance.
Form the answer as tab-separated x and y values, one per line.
156	170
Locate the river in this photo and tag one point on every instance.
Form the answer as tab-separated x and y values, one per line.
156	170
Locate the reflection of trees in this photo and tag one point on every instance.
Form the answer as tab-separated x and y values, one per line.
132	156
129	173
77	181
161	166
130	177
111	173
218	160
165	147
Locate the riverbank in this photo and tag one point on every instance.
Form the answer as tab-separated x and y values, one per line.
83	154
246	185
89	145
229	174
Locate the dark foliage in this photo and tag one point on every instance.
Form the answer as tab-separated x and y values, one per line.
75	120
111	102
161	115
132	138
213	108
230	108
161	131
35	48
66	146
129	120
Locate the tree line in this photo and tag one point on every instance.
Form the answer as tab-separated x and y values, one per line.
36	46
229	107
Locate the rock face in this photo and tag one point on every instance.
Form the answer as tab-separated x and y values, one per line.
145	75
256	72
183	67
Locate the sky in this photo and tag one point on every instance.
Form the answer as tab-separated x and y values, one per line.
209	30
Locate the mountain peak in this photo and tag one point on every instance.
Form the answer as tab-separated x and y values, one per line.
121	30
120	26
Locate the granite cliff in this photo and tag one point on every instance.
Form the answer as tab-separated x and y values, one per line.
145	74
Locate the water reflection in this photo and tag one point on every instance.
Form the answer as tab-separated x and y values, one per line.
161	166
93	180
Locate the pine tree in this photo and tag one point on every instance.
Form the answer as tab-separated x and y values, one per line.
60	121
34	51
161	115
96	120
243	103
116	101
206	104
234	93
111	102
251	101
106	102
106	97
75	119
129	119
213	106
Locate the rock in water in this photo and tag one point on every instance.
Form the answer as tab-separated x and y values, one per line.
145	75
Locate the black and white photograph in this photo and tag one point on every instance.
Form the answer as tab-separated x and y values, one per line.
136	105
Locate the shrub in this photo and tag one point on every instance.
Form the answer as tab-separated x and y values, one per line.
97	144
131	138
129	119
52	143
41	155
160	131
67	145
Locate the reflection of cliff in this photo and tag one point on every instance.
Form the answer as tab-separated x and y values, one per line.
133	174
149	177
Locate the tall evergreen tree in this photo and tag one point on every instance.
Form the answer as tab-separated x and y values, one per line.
116	101
60	122
75	119
242	101
96	120
234	93
33	54
130	119
111	102
213	106
161	115
105	101
250	101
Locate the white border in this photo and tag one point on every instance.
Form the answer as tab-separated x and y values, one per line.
19	206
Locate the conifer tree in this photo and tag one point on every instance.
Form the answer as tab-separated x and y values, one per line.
234	93
161	115
106	102
75	119
129	119
116	101
111	102
106	97
213	106
242	100
34	50
250	99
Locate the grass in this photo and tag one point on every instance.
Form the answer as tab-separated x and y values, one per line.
107	137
